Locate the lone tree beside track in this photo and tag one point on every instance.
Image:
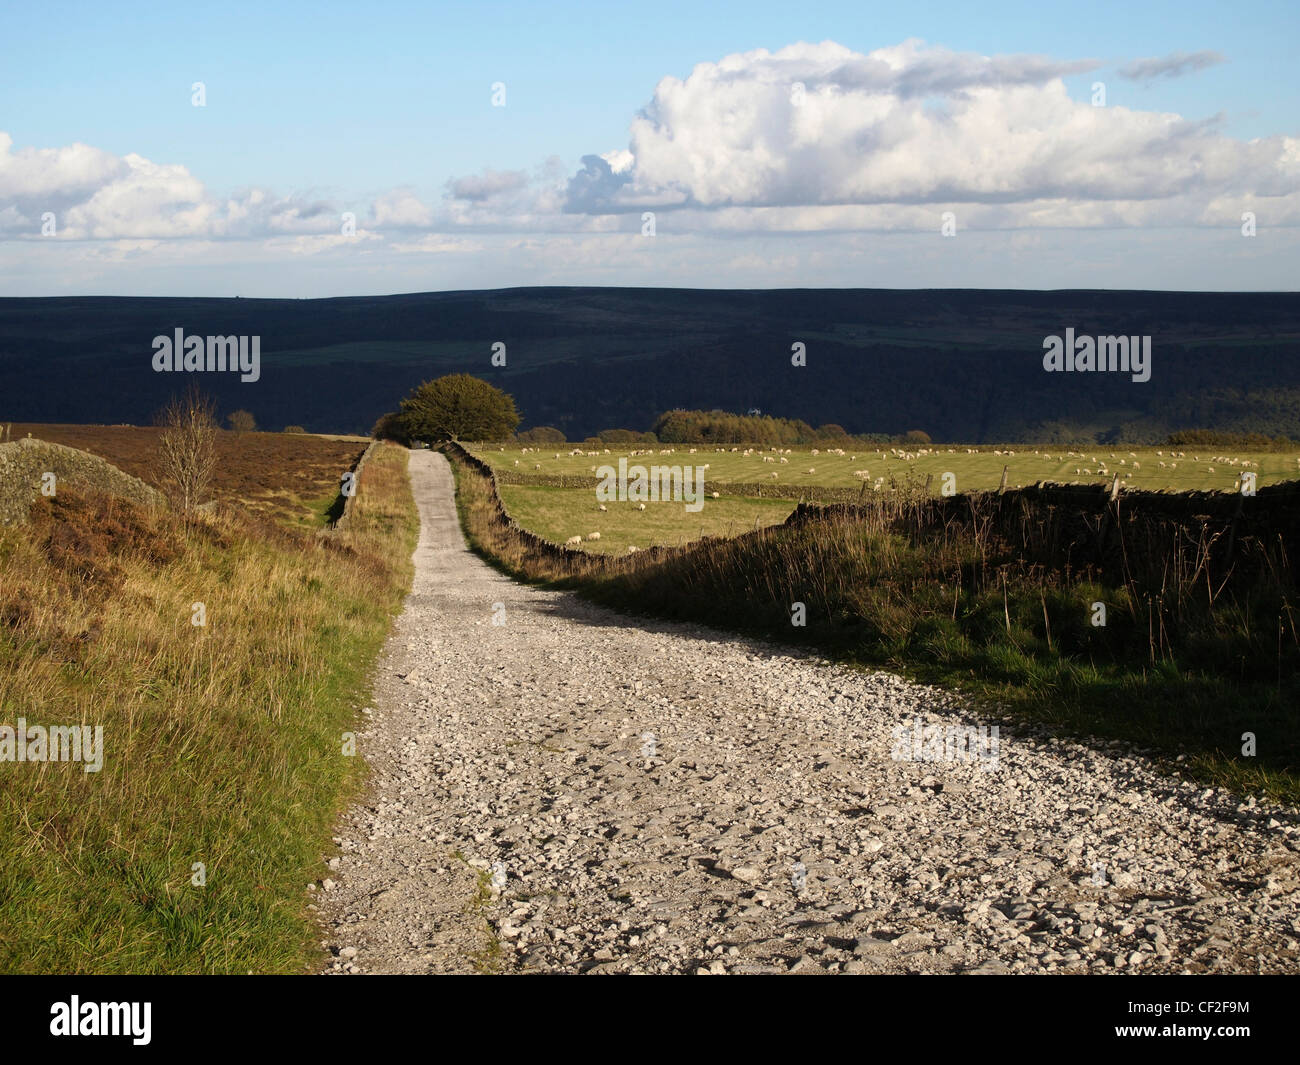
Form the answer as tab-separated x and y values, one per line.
458	407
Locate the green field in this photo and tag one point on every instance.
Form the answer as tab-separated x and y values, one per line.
975	469
559	513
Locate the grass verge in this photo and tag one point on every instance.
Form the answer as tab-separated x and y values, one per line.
224	765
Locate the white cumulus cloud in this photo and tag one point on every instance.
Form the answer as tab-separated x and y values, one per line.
818	125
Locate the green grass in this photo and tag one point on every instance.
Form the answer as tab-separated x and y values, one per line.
981	470
223	743
559	513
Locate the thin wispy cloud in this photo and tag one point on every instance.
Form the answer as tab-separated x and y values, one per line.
1174	65
480	187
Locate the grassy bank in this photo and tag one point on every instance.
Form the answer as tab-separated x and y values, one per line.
223	744
1177	669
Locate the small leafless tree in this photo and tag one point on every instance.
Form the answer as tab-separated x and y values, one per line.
187	453
241	421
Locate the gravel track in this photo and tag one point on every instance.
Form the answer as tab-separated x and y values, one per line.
578	791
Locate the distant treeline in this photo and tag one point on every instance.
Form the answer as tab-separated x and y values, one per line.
723	427
1234	441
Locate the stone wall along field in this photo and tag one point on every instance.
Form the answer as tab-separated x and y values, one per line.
356	483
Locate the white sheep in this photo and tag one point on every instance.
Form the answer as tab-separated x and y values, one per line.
640	506
573	540
602	508
593	536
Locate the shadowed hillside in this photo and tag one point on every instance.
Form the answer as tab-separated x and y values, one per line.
959	364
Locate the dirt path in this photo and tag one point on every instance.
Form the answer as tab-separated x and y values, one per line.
662	798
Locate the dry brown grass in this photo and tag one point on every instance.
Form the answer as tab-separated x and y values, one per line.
289	476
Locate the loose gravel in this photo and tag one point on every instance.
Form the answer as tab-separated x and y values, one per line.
559	788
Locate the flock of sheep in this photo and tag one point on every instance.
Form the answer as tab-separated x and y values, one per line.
1115	464
778	455
1103	470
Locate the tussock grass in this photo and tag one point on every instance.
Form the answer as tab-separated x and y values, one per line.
223	744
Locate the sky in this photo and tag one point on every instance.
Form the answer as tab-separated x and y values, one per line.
286	149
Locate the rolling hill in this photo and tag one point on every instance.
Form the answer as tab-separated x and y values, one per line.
959	364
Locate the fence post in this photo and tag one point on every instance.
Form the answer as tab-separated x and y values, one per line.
1232	529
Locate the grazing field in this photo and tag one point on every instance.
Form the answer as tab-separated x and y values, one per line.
560	513
292	477
974	469
223	755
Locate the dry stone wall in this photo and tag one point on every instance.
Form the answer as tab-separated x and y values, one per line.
348	501
24	463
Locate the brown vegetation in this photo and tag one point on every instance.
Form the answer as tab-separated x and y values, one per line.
186	454
292	477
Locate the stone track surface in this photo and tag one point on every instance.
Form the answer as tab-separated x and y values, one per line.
579	791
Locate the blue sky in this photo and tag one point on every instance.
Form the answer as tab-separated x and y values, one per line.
332	107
